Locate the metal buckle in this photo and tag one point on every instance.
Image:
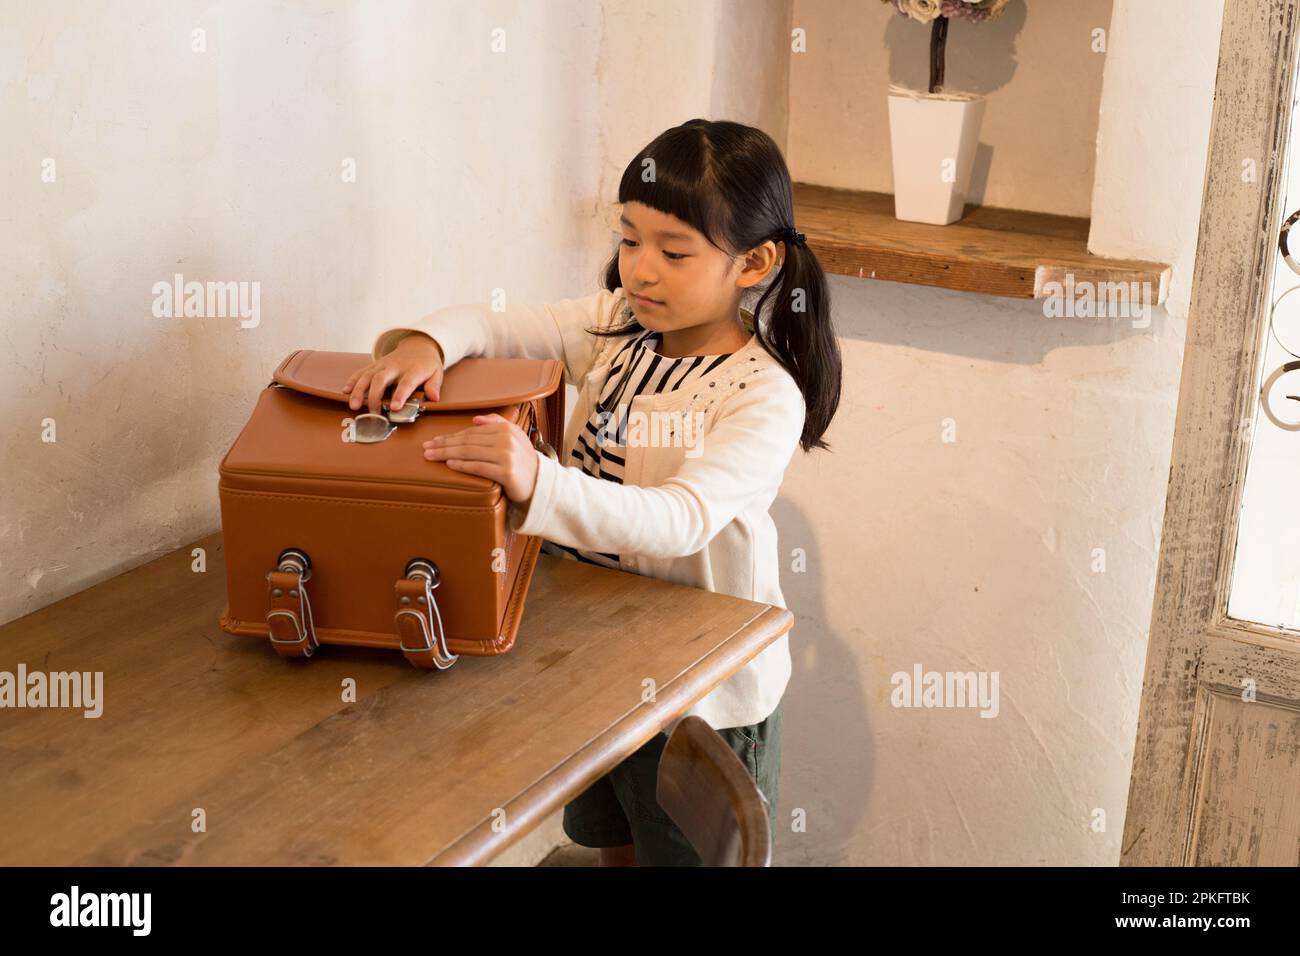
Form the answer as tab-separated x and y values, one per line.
298	626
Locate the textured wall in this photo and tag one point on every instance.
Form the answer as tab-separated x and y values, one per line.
975	554
981	553
1152	134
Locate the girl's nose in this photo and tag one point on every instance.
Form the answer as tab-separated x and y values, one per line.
643	277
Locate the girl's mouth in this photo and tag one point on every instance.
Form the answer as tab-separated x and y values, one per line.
642	300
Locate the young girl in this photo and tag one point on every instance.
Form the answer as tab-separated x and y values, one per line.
704	207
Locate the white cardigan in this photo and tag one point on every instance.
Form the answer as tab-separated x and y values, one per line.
691	514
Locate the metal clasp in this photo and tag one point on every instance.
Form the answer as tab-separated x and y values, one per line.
540	443
371	427
408	413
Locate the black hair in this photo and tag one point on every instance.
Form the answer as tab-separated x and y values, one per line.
730	182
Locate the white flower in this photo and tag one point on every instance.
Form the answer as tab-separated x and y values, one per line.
922	11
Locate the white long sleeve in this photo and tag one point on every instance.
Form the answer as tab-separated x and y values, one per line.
552	330
744	457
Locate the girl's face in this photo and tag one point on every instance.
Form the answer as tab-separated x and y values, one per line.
691	281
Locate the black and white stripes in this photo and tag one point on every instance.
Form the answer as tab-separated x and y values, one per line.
637	370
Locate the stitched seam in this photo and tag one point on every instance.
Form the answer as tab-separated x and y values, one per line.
516	597
361	503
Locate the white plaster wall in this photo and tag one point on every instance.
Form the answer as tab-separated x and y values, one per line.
475	170
974	555
1152	132
980	554
663	63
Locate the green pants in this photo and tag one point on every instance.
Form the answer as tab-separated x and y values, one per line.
621	807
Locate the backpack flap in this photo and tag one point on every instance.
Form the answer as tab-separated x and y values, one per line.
470	384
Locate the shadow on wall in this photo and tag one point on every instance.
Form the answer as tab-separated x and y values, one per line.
888	581
825	711
992	328
987	57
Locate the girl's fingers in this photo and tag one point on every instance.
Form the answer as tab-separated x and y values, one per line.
477	433
485	445
482	468
406	385
473	452
361	380
464	438
379	383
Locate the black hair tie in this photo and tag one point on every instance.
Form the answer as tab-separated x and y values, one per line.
791	235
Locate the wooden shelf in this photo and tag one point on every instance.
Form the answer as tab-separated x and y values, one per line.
1006	252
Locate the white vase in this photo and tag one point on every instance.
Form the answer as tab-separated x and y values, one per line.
933	138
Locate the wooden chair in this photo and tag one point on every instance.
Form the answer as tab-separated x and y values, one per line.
707	791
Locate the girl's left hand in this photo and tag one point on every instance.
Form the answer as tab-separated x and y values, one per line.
494	448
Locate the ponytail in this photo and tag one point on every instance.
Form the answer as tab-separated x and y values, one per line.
800	337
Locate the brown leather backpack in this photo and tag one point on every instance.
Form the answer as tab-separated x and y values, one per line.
338	531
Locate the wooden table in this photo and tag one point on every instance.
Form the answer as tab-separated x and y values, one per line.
444	768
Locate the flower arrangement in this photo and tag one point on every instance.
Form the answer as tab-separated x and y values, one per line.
938	13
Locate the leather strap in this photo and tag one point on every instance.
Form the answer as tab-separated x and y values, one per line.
419	625
293	633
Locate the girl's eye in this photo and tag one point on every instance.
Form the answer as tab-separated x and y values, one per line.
674	256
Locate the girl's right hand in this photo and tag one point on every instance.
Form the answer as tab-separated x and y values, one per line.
415	361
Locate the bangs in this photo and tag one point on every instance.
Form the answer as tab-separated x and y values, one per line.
684	184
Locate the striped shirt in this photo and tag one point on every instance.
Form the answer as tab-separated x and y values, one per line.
636	370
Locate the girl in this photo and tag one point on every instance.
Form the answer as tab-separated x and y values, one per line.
704	207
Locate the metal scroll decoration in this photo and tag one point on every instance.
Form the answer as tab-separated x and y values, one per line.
1286	367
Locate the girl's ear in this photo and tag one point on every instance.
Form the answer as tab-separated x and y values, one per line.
757	264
